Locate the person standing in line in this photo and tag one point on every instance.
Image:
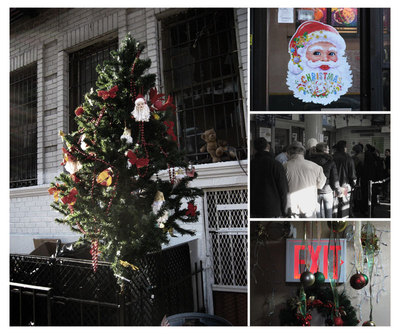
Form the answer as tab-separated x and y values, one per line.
347	179
331	188
268	184
304	179
282	157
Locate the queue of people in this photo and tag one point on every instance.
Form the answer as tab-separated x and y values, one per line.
314	183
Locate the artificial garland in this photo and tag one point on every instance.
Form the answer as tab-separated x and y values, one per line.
320	298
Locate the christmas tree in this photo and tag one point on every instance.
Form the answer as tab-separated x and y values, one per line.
111	191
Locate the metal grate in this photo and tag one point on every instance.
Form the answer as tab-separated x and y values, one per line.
201	71
83	74
23	127
227	227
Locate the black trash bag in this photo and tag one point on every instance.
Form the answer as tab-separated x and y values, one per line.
74	250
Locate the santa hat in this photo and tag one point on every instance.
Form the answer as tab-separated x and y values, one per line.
309	33
139	96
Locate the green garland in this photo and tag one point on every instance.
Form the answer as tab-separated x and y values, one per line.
321	299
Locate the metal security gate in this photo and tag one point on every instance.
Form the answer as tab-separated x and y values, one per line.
226	225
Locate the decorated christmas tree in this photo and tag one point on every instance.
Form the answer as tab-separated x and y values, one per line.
111	191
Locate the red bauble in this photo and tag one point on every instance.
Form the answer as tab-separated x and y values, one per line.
338	321
357	281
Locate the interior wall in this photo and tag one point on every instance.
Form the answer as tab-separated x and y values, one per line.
269	292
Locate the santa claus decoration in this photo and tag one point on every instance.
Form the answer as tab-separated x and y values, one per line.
141	113
318	70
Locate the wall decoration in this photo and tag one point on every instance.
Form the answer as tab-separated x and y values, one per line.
318	70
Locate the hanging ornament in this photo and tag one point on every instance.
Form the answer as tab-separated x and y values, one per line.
369	323
190	171
319	277
366	279
141	113
307	278
191	209
71	163
179	175
157	204
338	321
127	135
84	146
105	177
79	111
357	281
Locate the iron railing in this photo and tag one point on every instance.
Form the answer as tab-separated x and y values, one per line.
66	292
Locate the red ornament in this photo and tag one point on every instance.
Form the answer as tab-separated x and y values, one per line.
105	94
170	129
191	210
134	160
79	111
157	101
338	321
71	197
357	281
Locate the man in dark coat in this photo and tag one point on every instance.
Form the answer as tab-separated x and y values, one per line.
268	183
322	158
347	178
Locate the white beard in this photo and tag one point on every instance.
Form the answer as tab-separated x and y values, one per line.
141	114
318	86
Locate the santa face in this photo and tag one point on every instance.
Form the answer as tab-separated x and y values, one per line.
141	113
323	76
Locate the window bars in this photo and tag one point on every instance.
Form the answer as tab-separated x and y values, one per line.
201	71
226	218
83	75
23	127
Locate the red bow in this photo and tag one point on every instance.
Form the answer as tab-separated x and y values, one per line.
170	129
134	160
105	94
71	197
191	210
157	100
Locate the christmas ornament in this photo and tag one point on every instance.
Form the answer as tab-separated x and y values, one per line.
141	113
133	160
191	209
369	323
157	101
318	70
71	197
319	277
105	177
157	204
105	94
190	171
71	163
84	146
55	191
170	129
126	264
127	136
307	278
366	279
79	111
357	281
338	321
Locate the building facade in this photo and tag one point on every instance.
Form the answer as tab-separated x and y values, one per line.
199	56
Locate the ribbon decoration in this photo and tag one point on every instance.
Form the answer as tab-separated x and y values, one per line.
170	129
111	93
55	191
191	209
134	160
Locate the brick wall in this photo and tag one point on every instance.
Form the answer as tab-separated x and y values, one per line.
47	39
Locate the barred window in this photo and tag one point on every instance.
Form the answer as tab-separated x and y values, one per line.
201	72
23	127
83	75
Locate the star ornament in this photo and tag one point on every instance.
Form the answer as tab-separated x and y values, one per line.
133	160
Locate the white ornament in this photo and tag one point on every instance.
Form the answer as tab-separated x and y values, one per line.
127	135
73	166
141	113
84	146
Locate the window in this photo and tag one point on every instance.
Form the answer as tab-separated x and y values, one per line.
83	75
201	72
23	129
